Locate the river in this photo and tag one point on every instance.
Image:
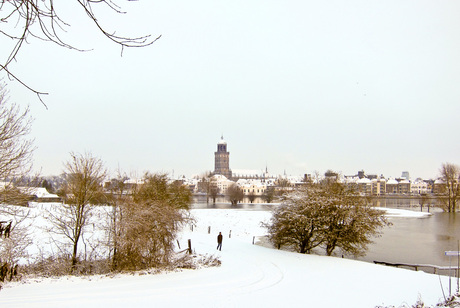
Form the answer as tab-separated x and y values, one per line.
407	240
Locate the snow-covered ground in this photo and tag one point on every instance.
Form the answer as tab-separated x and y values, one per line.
250	276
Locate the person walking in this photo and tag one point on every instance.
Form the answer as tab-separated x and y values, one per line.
219	241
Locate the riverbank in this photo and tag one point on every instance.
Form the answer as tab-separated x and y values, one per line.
250	276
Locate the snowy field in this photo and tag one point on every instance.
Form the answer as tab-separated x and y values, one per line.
250	276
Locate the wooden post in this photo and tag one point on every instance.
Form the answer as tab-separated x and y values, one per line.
253	239
189	246
178	245
209	229
230	234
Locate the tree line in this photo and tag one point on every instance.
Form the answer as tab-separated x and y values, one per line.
140	228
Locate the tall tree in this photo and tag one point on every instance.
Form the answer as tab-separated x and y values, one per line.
82	190
450	175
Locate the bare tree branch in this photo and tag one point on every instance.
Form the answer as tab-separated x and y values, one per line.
21	19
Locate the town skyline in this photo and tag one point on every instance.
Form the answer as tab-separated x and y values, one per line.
175	173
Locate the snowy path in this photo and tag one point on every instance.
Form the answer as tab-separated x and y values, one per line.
250	276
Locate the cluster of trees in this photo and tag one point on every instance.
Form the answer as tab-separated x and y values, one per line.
328	216
234	194
208	184
141	227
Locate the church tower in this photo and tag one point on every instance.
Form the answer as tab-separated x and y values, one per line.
222	159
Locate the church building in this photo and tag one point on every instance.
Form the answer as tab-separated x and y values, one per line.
222	160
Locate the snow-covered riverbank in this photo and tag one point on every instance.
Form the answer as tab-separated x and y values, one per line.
250	276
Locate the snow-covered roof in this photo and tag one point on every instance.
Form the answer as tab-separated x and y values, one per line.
134	181
247	172
40	192
220	178
392	182
250	183
364	181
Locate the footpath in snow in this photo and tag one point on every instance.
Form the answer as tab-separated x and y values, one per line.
250	276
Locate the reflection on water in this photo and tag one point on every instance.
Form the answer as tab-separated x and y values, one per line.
408	240
404	202
221	203
417	240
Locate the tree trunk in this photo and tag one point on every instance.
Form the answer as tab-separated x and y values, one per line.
329	249
74	256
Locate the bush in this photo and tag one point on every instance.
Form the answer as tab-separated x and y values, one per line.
147	225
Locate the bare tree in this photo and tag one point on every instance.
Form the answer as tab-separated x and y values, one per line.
234	194
213	189
424	200
23	19
119	198
16	150
450	174
83	189
251	196
208	185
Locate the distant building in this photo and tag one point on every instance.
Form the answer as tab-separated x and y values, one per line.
221	183
378	186
404	187
419	187
392	186
439	186
252	187
364	186
222	160
405	175
40	194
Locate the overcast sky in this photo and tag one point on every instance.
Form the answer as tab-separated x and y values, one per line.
298	86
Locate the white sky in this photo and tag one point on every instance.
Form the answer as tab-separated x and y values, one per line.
296	85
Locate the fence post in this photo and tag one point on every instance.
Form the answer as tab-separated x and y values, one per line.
209	229
230	234
178	245
189	246
253	239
